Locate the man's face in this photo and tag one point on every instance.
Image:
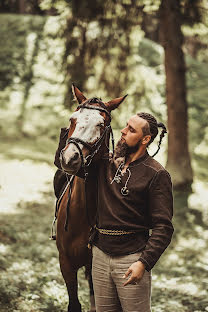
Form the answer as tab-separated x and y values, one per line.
131	138
133	133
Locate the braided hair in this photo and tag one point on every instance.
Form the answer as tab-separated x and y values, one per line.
151	128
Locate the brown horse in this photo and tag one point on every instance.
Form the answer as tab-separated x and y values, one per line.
87	141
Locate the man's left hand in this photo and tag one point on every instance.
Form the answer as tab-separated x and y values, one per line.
136	270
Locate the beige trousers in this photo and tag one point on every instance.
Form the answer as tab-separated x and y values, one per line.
110	294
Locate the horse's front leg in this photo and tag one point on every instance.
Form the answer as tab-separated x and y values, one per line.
70	277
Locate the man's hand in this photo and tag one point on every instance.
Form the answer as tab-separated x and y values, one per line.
137	271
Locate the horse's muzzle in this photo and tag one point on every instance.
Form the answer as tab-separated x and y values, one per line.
72	164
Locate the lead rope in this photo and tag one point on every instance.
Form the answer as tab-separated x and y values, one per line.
68	203
58	201
112	138
70	182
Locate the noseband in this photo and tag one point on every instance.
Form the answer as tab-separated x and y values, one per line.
85	162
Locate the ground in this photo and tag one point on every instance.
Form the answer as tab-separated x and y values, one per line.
29	268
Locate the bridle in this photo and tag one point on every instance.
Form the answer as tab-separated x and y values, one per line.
86	161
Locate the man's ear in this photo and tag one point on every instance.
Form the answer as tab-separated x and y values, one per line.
146	139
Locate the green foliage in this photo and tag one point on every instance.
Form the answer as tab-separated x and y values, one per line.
33	96
39	65
14	32
31	76
151	53
197	78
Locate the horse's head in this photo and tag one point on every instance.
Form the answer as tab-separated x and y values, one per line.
89	128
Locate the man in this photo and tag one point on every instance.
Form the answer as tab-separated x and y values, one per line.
134	196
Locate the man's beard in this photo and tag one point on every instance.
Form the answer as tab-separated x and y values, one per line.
122	151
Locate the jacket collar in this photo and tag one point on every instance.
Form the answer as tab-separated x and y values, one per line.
139	160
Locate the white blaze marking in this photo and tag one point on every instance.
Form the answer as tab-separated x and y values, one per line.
87	124
87	129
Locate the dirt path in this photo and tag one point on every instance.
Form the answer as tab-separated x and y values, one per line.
23	181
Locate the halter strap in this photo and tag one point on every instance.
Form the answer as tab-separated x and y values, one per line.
96	146
85	161
77	140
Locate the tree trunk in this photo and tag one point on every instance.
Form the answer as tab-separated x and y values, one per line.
76	71
178	163
21	6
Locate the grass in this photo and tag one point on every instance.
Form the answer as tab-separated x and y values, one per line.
30	276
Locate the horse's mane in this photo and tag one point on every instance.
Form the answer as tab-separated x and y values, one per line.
95	100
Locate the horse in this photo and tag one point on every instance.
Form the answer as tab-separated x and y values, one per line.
87	141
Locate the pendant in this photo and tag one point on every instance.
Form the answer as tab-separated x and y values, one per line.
124	191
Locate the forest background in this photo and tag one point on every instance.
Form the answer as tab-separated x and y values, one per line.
156	51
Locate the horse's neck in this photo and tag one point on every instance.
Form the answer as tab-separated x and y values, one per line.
77	214
104	151
78	189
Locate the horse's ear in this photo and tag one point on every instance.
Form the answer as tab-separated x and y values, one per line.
113	104
78	94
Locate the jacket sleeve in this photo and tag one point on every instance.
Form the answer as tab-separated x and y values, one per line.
62	143
160	207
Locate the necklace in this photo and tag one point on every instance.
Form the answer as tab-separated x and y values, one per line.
117	178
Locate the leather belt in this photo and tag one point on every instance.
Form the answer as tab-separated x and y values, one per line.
113	232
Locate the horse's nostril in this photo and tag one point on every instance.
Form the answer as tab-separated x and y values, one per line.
75	157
